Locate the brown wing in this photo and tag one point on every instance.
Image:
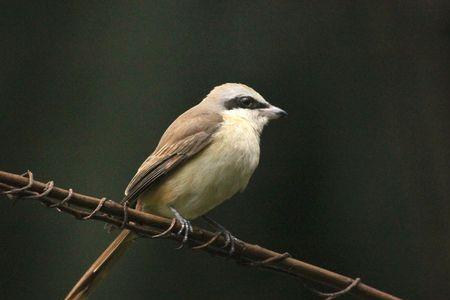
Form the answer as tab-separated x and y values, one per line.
187	136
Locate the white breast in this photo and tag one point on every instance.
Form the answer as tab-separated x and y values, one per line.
220	171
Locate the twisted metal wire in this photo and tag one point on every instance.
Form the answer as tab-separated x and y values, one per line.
15	193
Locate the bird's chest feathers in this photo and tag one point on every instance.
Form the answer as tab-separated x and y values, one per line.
225	166
236	147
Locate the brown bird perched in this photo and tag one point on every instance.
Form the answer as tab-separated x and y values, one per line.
207	155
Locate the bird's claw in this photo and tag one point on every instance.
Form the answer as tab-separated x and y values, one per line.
185	229
230	241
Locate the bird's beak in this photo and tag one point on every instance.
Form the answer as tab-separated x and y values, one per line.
273	112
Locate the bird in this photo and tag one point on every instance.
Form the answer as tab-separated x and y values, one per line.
205	156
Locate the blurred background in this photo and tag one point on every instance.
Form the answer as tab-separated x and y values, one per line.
356	180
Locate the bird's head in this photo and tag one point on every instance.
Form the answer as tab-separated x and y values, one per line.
235	99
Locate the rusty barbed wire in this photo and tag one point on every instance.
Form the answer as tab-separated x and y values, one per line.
203	240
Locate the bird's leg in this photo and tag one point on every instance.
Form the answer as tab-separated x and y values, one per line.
186	226
230	240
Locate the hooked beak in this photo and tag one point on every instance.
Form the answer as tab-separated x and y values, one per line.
274	112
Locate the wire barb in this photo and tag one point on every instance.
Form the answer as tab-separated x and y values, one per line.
211	240
99	206
48	188
61	203
334	295
11	193
125	214
165	232
270	260
327	296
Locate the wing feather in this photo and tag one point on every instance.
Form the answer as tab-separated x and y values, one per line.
187	136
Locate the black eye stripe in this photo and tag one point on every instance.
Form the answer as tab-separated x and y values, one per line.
244	102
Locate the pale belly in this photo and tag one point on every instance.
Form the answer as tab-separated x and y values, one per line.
214	175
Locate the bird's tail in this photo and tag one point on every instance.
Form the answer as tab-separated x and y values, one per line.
100	268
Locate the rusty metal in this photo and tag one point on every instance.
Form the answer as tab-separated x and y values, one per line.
165	232
270	260
11	193
99	206
204	245
334	295
61	203
150	225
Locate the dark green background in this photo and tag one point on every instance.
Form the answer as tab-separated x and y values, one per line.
356	179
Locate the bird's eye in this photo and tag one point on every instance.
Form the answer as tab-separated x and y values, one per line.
246	101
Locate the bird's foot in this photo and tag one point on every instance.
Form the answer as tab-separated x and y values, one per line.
230	240
185	229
